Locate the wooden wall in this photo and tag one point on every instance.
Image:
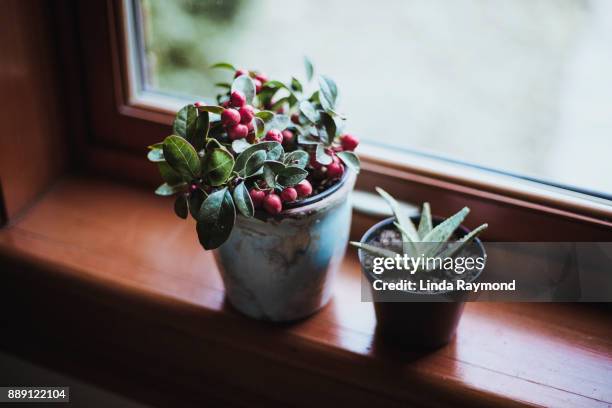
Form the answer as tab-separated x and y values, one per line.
32	123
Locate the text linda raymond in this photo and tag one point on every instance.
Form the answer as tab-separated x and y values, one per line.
430	286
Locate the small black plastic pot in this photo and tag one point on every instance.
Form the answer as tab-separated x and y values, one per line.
417	321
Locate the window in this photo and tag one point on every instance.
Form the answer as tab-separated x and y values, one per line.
519	88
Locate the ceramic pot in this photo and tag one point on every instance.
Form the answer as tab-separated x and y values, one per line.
281	268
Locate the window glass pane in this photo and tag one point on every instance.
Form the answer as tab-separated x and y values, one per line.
519	86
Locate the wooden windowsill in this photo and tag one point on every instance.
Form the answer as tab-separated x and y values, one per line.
106	275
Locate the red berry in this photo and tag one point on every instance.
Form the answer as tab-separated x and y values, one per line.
287	136
304	188
272	204
238	131
289	194
295	118
193	187
314	163
226	104
247	114
335	170
274	135
280	110
349	142
230	117
198	104
237	99
258	85
240	72
250	126
263	78
257	196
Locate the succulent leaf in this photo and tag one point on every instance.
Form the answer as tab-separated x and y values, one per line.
443	231
425	224
460	244
374	250
410	233
410	247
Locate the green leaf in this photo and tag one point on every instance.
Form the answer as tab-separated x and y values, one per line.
275	84
201	132
156	155
314	98
296	85
168	190
279	103
224	65
216	219
212	109
254	163
265	115
309	68
308	110
374	250
291	176
351	160
218	165
225	85
260	127
157	145
184	123
274	151
280	122
276	166
307	140
409	231
321	156
328	92
269	175
243	201
181	207
182	157
240	145
298	158
196	198
329	124
168	175
425	224
245	84
212	143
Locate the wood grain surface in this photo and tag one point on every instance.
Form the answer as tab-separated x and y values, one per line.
105	281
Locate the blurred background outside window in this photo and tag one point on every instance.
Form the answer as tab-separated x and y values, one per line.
519	86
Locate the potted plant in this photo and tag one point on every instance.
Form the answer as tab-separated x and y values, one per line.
420	316
266	173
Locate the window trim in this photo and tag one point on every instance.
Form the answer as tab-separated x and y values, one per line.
134	120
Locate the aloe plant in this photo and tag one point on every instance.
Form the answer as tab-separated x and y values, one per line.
424	239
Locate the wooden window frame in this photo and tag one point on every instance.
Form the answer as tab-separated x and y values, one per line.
118	125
